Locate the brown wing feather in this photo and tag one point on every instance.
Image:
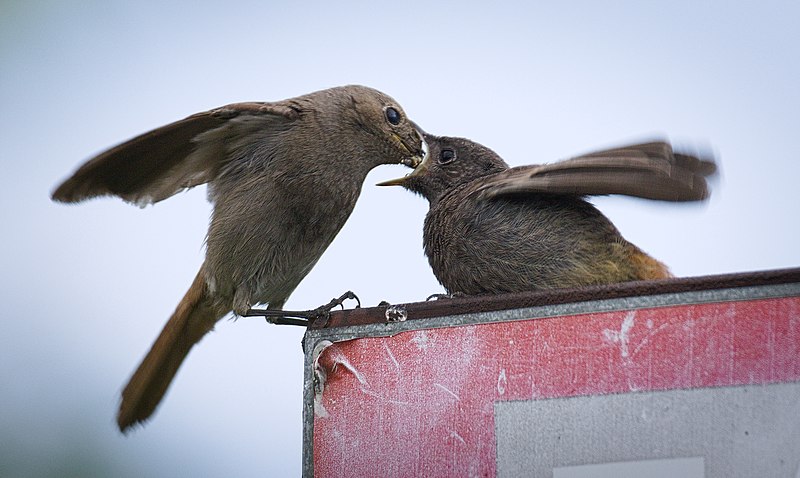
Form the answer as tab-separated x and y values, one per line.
157	164
648	170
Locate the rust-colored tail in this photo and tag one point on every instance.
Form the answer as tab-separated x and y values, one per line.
647	267
193	318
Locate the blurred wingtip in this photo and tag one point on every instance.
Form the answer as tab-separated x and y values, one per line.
65	193
75	190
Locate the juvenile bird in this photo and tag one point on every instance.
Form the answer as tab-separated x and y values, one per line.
283	178
495	229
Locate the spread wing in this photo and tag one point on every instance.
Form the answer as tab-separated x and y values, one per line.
648	170
162	162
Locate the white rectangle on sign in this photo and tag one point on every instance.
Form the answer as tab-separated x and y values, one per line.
740	432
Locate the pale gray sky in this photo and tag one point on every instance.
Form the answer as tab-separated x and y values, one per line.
87	288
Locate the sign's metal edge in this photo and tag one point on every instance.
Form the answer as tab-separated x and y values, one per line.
557	310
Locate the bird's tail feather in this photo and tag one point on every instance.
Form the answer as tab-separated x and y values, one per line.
193	318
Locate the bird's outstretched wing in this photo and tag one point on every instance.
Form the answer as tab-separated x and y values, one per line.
648	170
160	163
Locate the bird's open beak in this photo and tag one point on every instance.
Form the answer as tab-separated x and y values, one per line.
419	165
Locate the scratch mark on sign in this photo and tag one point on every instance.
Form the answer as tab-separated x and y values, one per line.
340	359
391	356
447	390
381	398
622	336
454	434
421	340
649	335
502	381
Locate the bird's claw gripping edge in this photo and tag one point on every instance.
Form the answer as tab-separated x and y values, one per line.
302	317
454	295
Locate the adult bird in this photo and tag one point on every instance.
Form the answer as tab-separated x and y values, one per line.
283	178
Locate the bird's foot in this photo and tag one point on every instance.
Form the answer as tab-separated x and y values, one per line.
302	317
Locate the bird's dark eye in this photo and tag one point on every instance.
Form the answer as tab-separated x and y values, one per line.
392	116
447	156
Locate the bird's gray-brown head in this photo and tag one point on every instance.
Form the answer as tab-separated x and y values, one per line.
449	163
383	132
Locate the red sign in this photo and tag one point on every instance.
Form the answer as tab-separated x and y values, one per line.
427	402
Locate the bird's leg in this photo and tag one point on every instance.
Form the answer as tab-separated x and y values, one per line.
278	316
301	317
